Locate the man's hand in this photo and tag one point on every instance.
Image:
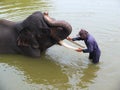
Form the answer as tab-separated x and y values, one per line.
79	50
68	38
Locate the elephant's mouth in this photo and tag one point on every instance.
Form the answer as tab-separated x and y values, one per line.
67	46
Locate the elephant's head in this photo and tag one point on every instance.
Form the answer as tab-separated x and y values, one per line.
41	31
59	29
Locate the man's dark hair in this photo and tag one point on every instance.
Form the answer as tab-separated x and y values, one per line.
83	33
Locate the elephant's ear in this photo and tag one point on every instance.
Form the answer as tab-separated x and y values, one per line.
27	39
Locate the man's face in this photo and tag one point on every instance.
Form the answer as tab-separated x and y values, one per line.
83	36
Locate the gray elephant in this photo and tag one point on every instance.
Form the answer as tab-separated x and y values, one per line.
33	35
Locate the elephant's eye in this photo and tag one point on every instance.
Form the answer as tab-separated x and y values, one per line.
60	28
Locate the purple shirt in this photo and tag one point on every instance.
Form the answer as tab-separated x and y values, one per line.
92	46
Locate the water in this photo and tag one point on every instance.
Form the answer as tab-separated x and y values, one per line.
60	68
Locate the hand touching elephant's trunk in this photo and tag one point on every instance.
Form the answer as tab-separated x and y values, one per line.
63	28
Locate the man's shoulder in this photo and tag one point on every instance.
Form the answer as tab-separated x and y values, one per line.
91	38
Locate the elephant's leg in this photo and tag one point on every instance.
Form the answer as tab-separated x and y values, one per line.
29	51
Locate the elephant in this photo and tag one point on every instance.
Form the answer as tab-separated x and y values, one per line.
32	36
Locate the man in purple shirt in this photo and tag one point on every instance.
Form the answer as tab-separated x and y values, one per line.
92	46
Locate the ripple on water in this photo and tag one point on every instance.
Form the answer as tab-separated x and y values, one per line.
17	10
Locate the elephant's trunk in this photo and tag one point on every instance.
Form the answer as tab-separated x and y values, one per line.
58	23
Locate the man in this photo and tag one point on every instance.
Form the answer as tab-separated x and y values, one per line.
92	46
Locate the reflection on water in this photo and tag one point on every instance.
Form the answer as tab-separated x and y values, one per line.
89	74
81	77
37	71
17	10
43	73
11	78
